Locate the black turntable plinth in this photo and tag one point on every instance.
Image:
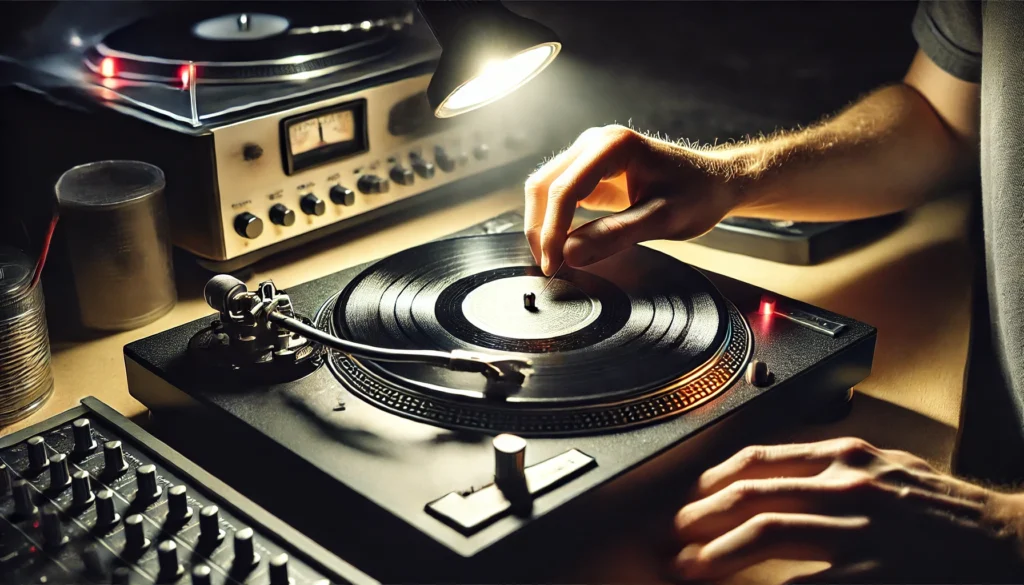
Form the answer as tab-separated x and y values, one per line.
410	470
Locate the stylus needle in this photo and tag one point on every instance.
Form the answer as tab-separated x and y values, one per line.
550	279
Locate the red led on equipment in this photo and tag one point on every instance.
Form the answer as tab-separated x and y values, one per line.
184	76
767	306
108	67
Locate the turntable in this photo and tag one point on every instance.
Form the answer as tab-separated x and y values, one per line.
275	124
461	430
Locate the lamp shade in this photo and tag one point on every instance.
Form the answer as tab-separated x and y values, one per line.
487	52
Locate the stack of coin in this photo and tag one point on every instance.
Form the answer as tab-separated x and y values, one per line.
26	379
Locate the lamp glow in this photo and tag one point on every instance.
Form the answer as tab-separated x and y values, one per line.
498	79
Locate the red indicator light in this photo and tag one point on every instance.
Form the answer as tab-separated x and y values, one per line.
32	549
767	306
35	524
108	67
184	76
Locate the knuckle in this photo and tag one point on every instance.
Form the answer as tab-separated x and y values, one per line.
620	136
854	451
896	475
740	490
751	455
767	524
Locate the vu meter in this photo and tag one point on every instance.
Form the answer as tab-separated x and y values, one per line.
324	136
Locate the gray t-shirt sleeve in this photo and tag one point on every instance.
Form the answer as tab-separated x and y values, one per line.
949	32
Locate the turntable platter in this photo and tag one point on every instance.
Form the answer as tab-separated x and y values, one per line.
631	339
252	47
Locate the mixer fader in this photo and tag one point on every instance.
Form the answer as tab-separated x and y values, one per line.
89	497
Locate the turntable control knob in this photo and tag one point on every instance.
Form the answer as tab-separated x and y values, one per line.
444	160
37	458
252	151
53	532
148	490
135	540
342	195
178	510
248	225
481	151
106	514
201	575
509	461
281	215
372	184
60	474
402	175
422	167
210	533
312	205
84	442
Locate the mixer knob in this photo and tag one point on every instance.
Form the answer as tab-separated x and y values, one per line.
178	510
444	160
312	205
372	184
148	489
279	570
106	515
37	458
342	195
60	476
53	532
123	576
210	534
81	490
167	558
5	479
402	175
84	442
135	534
481	151
23	505
201	575
93	561
246	557
281	215
248	225
422	167
113	459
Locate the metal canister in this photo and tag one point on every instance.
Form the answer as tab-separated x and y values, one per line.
26	379
118	243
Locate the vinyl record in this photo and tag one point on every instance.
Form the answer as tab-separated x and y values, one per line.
627	340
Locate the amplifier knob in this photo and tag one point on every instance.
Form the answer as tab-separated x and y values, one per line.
444	160
248	225
481	152
422	167
106	515
252	151
38	460
84	443
402	175
60	476
23	505
210	534
312	205
167	558
246	557
279	570
178	510
148	489
201	575
5	479
81	490
53	532
342	195
372	184
135	534
281	215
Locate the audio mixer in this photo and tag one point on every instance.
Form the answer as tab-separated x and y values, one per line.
90	497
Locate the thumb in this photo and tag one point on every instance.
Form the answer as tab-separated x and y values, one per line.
608	235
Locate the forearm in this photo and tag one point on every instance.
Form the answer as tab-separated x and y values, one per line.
886	153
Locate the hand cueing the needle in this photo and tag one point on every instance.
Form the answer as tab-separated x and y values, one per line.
657	189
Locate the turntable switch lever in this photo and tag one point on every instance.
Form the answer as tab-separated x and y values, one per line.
509	460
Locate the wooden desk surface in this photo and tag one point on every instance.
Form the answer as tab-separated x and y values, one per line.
914	285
